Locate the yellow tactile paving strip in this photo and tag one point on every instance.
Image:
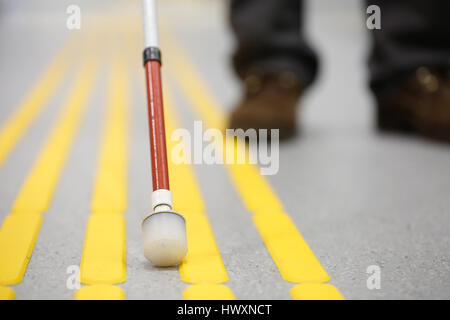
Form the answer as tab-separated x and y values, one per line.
40	184
7	293
100	292
103	259
17	238
315	291
33	103
292	255
203	265
20	229
207	291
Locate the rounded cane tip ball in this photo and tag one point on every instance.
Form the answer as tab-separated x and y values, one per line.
164	237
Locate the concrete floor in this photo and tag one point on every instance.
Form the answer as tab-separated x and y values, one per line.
359	198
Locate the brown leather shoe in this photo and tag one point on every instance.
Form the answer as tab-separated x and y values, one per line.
270	102
421	105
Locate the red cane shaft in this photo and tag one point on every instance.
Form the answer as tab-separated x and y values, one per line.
158	152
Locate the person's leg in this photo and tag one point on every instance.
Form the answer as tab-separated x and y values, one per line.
270	40
273	61
409	66
413	33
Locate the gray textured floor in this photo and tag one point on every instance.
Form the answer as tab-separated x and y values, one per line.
358	198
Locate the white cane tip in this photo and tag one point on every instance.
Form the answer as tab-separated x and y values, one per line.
164	236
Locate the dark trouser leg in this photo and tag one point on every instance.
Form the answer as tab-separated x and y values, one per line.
269	39
413	33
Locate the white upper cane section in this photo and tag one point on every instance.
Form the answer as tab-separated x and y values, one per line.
150	23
